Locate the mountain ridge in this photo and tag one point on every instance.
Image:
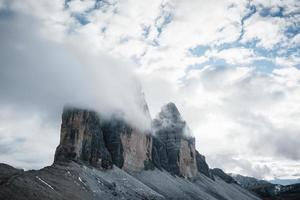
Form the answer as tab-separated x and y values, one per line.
268	190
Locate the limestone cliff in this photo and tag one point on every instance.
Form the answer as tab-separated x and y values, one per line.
173	149
102	142
88	137
130	148
81	139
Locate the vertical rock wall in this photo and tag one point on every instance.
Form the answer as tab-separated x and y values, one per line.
88	137
82	138
187	158
172	144
101	143
137	150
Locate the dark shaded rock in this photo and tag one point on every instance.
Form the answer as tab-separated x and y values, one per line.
6	172
202	166
159	154
130	148
70	180
82	139
173	150
268	190
86	137
74	181
221	174
275	191
112	131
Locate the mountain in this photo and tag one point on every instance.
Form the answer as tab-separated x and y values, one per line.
285	181
107	158
268	190
249	182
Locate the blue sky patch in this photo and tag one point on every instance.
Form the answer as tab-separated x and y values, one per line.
199	50
264	66
268	12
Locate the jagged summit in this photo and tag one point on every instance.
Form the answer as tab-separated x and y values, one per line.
170	112
170	118
172	149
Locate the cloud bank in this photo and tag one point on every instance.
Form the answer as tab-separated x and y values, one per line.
39	76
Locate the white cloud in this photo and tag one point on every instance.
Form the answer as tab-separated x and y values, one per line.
244	113
234	56
78	6
26	140
269	31
48	75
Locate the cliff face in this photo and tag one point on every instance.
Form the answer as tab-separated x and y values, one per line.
101	142
82	139
174	149
86	137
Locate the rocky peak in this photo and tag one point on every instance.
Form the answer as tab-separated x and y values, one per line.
170	112
102	142
172	149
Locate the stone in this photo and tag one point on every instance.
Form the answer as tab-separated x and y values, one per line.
82	139
202	166
129	147
174	150
102	142
159	154
6	172
221	174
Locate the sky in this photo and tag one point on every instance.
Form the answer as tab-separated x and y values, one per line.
231	67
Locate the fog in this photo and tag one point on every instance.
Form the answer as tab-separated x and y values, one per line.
45	75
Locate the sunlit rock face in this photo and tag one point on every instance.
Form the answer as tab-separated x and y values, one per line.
130	148
187	158
86	137
173	143
137	150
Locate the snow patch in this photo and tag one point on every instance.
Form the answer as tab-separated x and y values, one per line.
81	180
44	182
